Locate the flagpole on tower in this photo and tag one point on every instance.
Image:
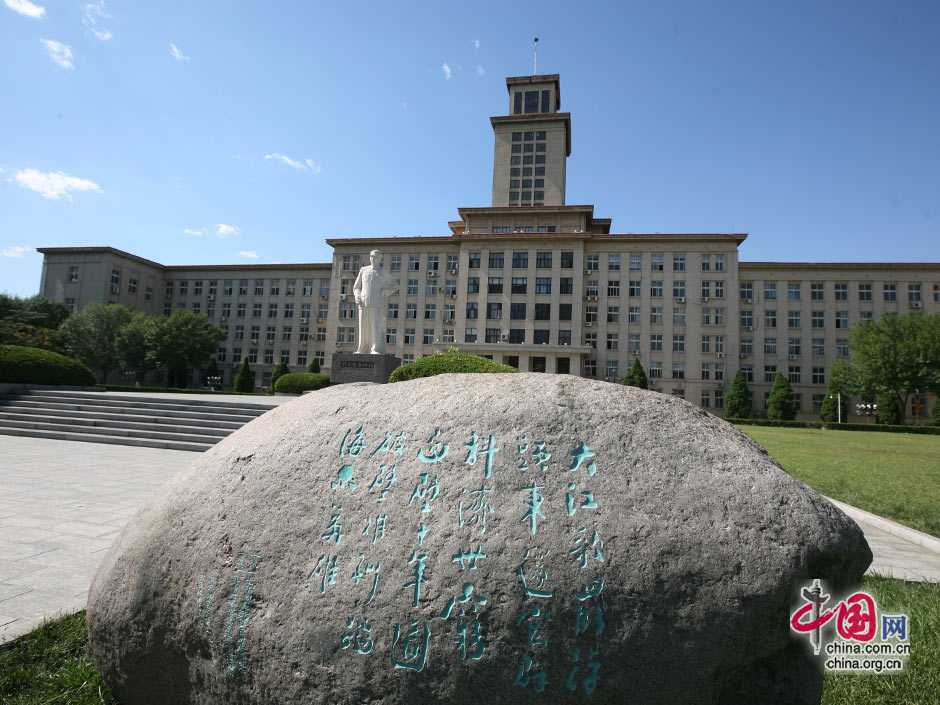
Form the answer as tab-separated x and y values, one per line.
535	56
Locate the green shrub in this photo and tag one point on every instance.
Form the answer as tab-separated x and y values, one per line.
780	404
297	382
636	376
881	428
38	366
279	371
738	398
314	366
444	362
244	378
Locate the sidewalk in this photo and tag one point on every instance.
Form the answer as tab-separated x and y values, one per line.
62	503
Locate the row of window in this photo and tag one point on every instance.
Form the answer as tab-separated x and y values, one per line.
273	287
253	333
795	319
710	316
268	356
793	347
710	288
351	263
792	372
840	291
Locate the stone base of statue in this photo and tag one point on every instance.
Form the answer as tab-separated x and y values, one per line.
353	367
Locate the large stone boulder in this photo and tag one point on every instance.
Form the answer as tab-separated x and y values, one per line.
472	539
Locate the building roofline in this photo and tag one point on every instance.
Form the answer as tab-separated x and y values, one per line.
388	240
847	266
537	78
483	210
99	249
178	267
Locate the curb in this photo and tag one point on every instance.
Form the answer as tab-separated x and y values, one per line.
892	527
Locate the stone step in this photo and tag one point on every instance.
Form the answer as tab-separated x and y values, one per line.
74	420
92	407
113	440
130	434
195	401
144	403
110	415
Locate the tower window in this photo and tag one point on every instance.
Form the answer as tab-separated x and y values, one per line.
540	135
540	171
514	171
516	136
517	102
531	102
546	97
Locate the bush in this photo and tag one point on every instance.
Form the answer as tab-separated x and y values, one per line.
244	378
445	362
738	398
279	371
780	405
297	382
923	430
38	366
314	366
636	376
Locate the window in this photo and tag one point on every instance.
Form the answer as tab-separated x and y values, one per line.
936	293
73	273
255	334
841	291
793	291
566	286
303	334
590	314
394	265
470	335
635	287
450	312
564	337
540	336
494	311
636	263
819	347
567	259
241	309
656	342
678	371
613	287
633	343
448	335
543	285
520	260
411	312
613	314
543	260
656	288
864	293
706	344
890	292
434	263
148	294
633	314
678	263
613	341
590	339
706	263
747	346
613	262
678	343
473	285
678	289
818	319
793	347
392	311
253	355
817	291
115	281
308	287
770	373
414	263
770	346
819	375
531	102
678	317
543	312
409	337
276	283
132	286
656	263
656	314
430	312
517	312
412	289
842	319
656	370
430	289
793	319
519	285
473	311
770	291
321	335
748	372
491	335
288	310
719	263
706	289
428	336
747	319
269	334
914	293
184	288
770	318
592	263
613	369
842	347
494	285
226	289
495	260
794	374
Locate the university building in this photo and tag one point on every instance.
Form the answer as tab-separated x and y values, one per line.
535	283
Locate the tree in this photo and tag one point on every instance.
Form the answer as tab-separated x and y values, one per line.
935	421
780	403
245	378
34	311
889	410
91	335
314	365
183	341
134	345
636	376
280	369
896	356
841	385
738	398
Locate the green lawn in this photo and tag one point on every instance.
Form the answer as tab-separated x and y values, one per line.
896	475
50	665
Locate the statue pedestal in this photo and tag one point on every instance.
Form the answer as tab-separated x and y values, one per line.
352	367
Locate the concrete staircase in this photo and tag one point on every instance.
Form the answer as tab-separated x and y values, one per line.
132	420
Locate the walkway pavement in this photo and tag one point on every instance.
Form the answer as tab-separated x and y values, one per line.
62	503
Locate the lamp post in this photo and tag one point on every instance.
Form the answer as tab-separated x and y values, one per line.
838	397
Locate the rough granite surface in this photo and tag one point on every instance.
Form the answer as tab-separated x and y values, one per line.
300	562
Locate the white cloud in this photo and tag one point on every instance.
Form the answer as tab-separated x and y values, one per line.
194	232
92	14
448	71
177	54
476	43
60	53
15	251
225	230
480	70
53	184
302	165
248	254
26	8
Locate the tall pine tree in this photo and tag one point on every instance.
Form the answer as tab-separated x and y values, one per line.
245	378
780	403
738	398
636	376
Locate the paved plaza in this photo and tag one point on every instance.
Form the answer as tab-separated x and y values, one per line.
62	503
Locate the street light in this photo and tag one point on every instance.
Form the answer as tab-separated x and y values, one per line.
838	397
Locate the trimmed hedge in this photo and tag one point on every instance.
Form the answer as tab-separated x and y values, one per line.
297	382
37	366
833	426
447	362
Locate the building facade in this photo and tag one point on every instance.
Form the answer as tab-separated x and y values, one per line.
536	284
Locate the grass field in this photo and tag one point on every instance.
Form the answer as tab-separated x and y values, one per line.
50	665
896	475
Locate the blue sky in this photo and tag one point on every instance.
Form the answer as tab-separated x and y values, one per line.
211	132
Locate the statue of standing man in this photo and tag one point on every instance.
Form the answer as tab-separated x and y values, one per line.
372	285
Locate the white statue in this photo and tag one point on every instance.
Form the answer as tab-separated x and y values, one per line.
371	287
